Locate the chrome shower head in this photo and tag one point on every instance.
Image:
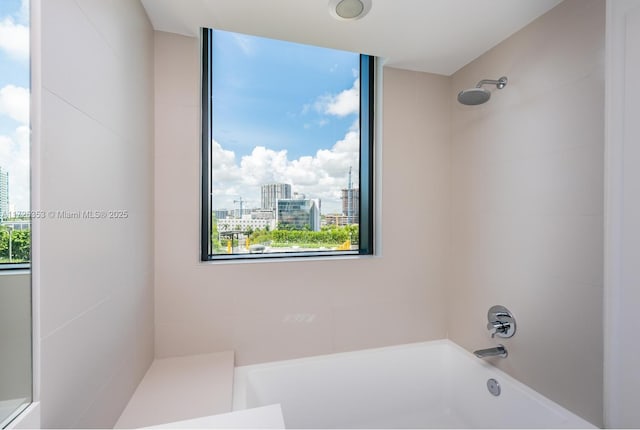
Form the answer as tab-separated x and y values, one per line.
474	96
479	95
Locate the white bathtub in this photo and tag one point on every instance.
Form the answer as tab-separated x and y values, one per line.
424	385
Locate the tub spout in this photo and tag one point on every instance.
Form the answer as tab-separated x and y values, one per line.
498	351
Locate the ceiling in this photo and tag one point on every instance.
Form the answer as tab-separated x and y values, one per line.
436	36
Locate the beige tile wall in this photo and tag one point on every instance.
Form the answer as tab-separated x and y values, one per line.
527	210
96	275
354	303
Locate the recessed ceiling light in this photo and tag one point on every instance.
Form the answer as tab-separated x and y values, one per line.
349	10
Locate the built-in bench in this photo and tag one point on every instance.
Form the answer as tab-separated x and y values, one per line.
181	388
193	392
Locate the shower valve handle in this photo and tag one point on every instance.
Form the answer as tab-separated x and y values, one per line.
497	328
501	322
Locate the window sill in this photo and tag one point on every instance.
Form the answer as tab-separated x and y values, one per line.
14	268
288	258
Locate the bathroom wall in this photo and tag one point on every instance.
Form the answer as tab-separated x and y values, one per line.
15	335
345	304
95	153
622	295
527	208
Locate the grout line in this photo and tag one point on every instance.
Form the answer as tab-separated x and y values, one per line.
78	316
86	114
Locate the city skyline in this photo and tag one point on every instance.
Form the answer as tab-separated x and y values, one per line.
271	193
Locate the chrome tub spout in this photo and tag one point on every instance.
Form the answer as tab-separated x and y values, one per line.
498	351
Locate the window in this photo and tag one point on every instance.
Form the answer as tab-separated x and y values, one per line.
15	214
287	149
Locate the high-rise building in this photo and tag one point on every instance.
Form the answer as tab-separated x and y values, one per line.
299	214
244	224
263	214
351	205
271	193
221	213
336	219
4	194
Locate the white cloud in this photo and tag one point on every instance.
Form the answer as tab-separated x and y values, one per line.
263	166
345	103
321	176
14	158
14	102
14	39
222	157
6	145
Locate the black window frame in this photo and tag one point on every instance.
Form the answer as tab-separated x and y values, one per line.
366	176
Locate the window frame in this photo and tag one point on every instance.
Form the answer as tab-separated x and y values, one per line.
366	161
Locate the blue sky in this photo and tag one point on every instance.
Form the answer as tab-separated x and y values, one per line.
14	99
281	111
264	90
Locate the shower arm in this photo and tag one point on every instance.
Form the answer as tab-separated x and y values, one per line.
500	83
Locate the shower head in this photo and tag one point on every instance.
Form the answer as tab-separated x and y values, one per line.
474	96
479	95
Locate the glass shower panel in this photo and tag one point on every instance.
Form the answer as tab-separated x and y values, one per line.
15	216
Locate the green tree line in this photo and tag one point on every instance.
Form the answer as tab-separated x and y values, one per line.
20	245
327	236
